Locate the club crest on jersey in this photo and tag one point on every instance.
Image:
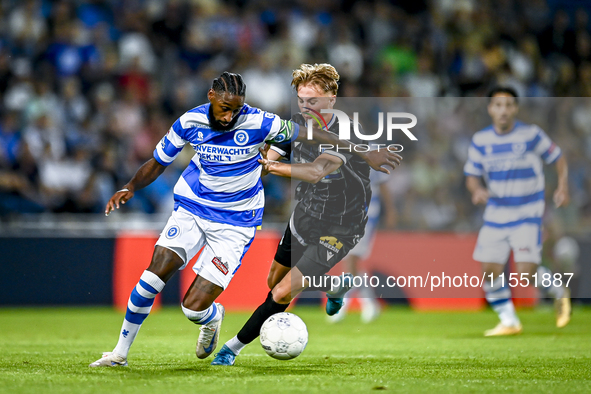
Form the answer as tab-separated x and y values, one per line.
200	136
241	138
488	149
219	264
518	148
172	232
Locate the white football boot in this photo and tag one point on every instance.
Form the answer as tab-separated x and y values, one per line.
208	337
370	310
502	330
110	359
563	309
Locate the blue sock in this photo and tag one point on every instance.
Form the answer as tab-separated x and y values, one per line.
499	298
138	307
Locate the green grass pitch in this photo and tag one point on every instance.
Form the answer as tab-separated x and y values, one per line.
48	350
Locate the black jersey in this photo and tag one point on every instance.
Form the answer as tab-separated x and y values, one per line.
341	197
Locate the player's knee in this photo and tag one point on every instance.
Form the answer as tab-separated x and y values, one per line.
282	294
273	279
526	268
165	263
270	281
276	273
493	269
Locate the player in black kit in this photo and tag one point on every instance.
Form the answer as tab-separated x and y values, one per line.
328	220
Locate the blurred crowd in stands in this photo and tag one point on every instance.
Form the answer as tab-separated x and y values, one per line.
89	87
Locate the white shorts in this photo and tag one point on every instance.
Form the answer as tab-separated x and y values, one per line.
225	245
365	244
495	244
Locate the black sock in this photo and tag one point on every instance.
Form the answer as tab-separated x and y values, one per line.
252	328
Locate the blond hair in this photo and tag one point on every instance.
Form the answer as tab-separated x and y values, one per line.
324	76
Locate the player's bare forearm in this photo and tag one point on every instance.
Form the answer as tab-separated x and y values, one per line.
314	172
475	187
388	206
473	183
561	195
145	175
277	168
307	172
271	156
562	170
375	159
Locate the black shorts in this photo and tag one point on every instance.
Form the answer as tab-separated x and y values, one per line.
315	246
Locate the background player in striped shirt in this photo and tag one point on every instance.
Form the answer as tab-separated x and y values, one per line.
218	202
381	206
508	155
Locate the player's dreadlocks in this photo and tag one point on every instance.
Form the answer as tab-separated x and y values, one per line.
230	83
324	76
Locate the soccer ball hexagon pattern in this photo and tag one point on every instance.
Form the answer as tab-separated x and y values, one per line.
284	336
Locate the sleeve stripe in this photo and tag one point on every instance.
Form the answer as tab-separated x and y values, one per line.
471	169
158	159
279	150
175	139
169	148
296	131
476	165
162	157
337	154
479	149
552	157
468	173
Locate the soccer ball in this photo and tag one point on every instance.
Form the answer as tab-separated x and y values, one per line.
284	336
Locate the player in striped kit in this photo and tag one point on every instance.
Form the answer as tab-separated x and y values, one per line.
219	201
509	155
381	205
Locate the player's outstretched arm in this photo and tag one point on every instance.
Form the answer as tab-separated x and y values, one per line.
375	158
145	175
307	172
561	196
271	156
479	193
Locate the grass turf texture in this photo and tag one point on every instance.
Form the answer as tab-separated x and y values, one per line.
48	350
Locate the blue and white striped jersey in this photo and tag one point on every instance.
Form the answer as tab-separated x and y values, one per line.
512	167
223	181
